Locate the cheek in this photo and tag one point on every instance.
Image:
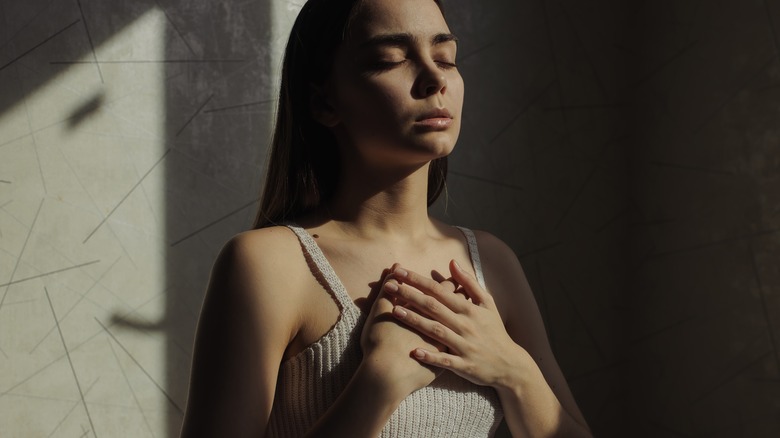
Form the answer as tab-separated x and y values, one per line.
457	91
373	104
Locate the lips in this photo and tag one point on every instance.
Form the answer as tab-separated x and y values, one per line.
437	113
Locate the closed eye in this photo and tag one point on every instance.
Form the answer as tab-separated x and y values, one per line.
446	65
386	65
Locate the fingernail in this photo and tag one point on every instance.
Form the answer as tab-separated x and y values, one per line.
419	354
457	265
401	272
391	286
399	312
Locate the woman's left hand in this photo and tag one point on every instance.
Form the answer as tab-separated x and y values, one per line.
479	347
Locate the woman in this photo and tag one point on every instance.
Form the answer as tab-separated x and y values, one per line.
332	317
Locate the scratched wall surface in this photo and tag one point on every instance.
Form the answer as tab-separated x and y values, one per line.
131	148
628	153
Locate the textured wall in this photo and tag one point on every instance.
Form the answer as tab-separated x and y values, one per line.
131	147
703	294
628	153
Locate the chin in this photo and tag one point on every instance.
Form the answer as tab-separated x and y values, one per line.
418	149
430	152
438	147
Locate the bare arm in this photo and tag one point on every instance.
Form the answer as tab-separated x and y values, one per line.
239	344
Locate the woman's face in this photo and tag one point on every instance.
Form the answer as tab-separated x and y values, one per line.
395	91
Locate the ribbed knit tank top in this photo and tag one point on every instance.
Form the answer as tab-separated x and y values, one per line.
310	381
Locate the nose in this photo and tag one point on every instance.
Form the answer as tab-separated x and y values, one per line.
431	81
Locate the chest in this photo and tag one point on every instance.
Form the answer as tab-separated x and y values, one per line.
360	270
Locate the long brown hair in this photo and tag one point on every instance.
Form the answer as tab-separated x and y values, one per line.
303	165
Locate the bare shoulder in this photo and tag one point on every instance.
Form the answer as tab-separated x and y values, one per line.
264	258
256	277
261	273
495	249
262	245
501	267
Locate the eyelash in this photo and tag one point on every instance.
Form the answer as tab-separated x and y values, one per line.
446	65
388	65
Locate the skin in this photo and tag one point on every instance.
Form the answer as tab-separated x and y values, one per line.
411	272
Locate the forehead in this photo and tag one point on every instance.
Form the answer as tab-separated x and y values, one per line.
416	17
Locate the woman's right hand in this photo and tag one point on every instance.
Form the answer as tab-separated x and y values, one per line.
387	345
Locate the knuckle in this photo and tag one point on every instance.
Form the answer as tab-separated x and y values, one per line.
409	294
431	305
403	291
438	330
467	309
412	276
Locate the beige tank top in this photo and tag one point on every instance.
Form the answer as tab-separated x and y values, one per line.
310	382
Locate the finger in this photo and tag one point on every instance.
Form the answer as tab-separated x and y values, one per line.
429	287
377	286
388	297
365	303
441	359
447	283
393	299
433	329
427	305
470	284
461	293
450	285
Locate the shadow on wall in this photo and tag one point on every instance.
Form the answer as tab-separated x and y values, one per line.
128	156
218	126
629	155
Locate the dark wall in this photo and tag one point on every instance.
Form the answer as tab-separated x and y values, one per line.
629	153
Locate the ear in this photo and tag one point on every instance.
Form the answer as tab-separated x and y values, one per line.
321	109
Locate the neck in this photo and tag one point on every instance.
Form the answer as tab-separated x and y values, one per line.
381	204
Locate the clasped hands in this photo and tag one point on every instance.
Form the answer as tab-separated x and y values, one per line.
461	328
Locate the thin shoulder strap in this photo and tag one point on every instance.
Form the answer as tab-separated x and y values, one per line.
314	253
474	252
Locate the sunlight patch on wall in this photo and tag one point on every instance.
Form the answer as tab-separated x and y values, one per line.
82	241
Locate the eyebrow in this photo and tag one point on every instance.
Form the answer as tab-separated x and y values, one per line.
405	39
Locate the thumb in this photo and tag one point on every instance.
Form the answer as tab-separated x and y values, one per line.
376	287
